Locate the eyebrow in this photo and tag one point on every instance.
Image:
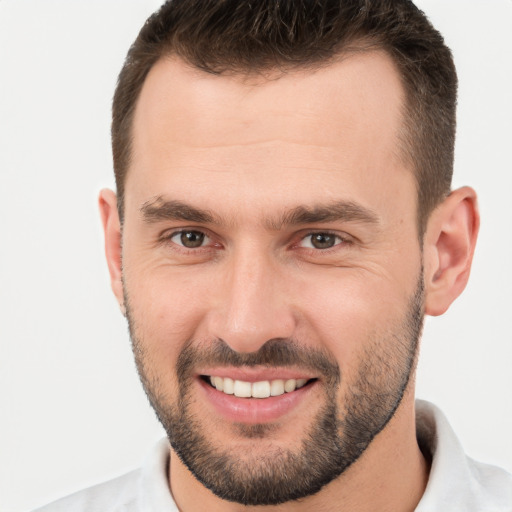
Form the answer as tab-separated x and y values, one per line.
158	209
338	211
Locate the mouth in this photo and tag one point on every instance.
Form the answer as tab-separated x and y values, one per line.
256	395
260	389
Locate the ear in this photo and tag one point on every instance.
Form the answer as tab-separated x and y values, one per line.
449	245
112	230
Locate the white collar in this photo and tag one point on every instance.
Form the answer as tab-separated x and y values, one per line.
456	482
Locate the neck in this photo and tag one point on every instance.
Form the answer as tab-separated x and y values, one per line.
391	475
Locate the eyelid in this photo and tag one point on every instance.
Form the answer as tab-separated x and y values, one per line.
168	235
344	239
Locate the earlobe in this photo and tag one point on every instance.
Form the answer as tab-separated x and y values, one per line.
112	230
449	245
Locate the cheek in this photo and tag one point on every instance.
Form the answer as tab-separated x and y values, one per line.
348	314
166	309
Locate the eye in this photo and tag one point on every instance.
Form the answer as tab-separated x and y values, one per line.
321	241
189	239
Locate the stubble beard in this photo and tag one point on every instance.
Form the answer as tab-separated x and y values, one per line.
338	435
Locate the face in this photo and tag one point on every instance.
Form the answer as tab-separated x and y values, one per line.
272	269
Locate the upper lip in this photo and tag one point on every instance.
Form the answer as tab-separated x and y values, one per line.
250	374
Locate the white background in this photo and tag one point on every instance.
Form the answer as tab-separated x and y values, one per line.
71	409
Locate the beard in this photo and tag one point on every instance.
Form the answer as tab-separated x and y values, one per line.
338	435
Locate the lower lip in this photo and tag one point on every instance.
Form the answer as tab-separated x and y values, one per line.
255	410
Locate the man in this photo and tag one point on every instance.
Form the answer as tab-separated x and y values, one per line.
282	223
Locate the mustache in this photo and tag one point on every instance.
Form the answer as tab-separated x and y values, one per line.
281	352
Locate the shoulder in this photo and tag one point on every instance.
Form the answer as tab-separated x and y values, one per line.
117	495
145	489
495	484
456	481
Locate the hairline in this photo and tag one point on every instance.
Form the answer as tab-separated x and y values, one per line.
405	138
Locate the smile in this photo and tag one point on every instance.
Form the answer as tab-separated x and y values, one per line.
256	395
261	389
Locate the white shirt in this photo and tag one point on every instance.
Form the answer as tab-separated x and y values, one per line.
456	482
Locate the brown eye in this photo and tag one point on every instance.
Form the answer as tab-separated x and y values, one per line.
189	239
321	241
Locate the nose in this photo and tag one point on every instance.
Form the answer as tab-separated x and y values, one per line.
252	303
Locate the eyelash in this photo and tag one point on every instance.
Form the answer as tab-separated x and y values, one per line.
167	238
339	240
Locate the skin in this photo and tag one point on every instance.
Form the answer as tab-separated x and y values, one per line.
250	150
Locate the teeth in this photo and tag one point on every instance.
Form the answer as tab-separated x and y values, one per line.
262	389
218	382
276	387
290	385
229	386
243	389
301	382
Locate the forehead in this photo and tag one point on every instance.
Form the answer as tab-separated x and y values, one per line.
336	127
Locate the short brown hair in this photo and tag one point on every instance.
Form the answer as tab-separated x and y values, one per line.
241	36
